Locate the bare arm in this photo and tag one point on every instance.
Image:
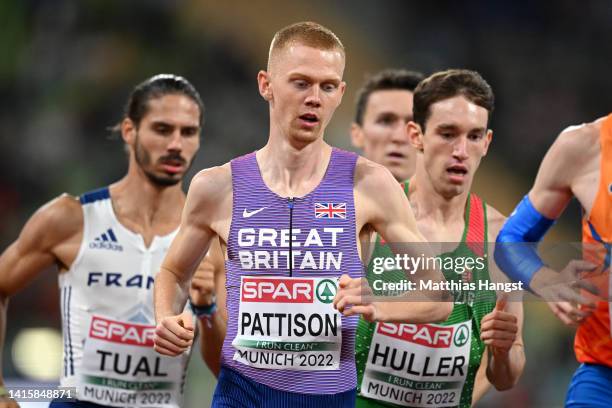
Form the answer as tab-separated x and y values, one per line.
204	200
481	383
502	329
209	281
570	168
51	236
563	166
382	204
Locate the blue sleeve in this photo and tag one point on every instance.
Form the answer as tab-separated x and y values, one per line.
517	243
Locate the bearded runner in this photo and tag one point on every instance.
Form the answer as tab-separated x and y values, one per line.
428	365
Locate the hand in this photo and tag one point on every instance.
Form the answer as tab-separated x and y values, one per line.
202	289
569	313
8	402
174	334
564	286
499	329
354	296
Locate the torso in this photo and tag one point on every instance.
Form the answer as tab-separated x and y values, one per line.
470	232
324	246
593	343
107	311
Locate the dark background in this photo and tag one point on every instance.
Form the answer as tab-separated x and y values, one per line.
66	69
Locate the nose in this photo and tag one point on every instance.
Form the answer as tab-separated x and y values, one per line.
176	141
314	97
460	148
399	133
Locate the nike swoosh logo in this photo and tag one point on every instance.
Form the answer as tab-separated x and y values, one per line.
246	214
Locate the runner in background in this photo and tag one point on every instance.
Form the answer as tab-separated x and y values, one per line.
453	361
108	245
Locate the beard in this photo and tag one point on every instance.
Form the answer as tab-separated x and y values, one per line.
143	158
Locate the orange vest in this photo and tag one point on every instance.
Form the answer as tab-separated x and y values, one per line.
593	343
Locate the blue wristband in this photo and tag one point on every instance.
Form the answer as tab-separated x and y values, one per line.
517	243
203	311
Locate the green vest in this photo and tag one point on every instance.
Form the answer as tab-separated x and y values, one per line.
418	378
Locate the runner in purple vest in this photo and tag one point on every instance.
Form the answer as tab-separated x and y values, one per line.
290	217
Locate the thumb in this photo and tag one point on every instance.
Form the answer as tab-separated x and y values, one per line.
186	320
501	303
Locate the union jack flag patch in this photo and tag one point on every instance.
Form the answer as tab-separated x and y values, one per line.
330	210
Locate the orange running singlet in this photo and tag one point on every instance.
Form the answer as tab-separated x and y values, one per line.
593	343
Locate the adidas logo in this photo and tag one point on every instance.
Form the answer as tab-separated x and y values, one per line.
107	240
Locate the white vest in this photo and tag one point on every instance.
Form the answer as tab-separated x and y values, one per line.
107	316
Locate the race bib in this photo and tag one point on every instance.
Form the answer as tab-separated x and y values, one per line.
288	323
418	365
120	367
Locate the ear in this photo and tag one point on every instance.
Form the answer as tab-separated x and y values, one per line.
488	139
357	138
128	131
415	135
263	82
342	88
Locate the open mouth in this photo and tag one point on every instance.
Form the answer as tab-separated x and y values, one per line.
396	155
309	118
457	171
173	165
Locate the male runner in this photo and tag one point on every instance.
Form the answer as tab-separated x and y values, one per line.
108	245
295	199
384	108
578	164
452	109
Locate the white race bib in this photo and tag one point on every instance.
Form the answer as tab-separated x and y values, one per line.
120	367
288	323
418	365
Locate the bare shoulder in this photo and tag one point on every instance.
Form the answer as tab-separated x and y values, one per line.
372	177
578	141
56	221
495	222
212	184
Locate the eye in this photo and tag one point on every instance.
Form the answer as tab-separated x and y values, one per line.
475	136
329	87
190	131
162	129
300	84
386	120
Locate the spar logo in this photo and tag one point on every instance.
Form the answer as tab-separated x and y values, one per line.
120	332
462	335
326	291
423	334
280	290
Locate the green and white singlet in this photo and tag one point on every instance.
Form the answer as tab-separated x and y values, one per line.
429	365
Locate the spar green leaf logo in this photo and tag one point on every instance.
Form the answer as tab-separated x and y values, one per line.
462	335
326	290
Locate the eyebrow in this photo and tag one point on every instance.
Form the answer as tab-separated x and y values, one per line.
297	75
450	126
173	125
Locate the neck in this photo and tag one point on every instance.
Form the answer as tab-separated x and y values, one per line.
430	203
292	171
137	198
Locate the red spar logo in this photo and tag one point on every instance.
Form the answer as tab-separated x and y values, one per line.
277	290
423	334
120	332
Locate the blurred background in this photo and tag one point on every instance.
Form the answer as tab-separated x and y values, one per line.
66	69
